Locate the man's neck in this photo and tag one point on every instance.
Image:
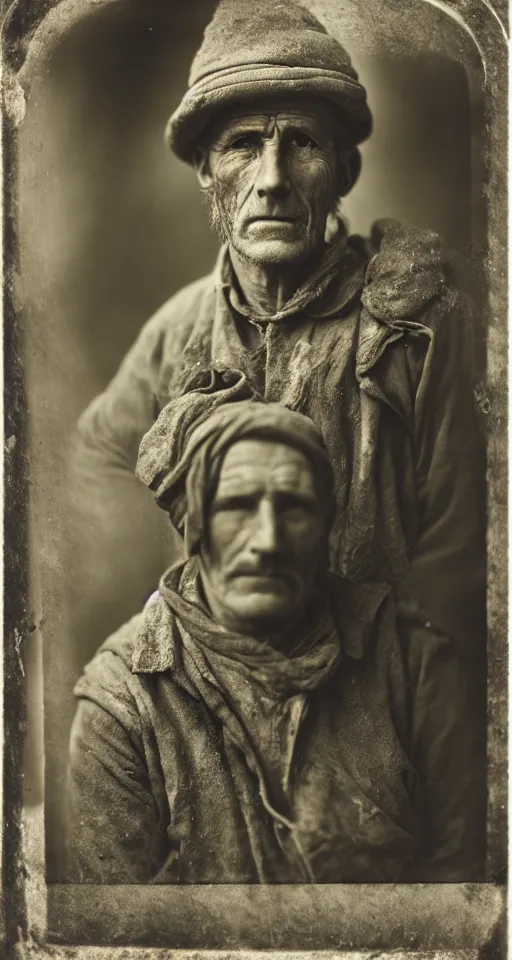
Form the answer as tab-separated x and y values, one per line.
266	289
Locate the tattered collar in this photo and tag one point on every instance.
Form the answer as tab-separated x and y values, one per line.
328	290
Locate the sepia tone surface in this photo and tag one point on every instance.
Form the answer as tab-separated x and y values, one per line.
84	192
459	231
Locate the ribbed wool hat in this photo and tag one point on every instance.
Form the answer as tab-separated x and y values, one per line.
254	48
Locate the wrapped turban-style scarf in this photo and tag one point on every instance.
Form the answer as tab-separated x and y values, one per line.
180	459
180	456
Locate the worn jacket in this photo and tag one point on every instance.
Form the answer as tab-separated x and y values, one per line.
380	363
381	780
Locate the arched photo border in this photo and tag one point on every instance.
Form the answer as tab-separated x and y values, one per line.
466	920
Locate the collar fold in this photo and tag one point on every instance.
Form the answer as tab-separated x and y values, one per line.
327	291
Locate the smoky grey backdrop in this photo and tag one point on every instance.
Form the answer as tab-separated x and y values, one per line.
110	226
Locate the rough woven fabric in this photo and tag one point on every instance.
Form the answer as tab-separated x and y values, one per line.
382	785
181	454
408	271
253	49
308	664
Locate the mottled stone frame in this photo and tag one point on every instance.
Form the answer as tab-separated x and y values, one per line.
326	921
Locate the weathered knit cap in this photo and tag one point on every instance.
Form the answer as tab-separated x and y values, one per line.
255	48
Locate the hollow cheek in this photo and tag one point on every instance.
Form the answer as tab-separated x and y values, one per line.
308	549
235	178
315	184
228	535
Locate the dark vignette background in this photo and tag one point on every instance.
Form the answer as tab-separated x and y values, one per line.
110	226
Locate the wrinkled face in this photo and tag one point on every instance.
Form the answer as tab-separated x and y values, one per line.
271	176
267	537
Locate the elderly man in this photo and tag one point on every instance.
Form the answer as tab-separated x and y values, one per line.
262	720
367	338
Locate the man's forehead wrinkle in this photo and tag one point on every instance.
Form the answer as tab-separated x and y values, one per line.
247	477
266	121
254	450
275	481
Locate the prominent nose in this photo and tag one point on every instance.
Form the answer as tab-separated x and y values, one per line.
265	538
272	178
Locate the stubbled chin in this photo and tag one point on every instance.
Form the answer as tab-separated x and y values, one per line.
263	605
273	252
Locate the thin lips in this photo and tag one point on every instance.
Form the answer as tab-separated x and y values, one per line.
273	219
260	574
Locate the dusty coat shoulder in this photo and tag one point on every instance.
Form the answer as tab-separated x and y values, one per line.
177	316
108	680
409	268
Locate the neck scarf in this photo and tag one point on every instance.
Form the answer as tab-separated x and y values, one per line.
312	660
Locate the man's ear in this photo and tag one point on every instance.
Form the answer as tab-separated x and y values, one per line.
349	170
201	162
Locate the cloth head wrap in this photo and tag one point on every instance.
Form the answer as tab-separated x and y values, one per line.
181	455
255	48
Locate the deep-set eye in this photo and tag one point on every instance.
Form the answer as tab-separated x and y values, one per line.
301	139
234	504
295	507
246	141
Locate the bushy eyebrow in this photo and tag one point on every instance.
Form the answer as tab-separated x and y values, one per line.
235	128
257	123
238	498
